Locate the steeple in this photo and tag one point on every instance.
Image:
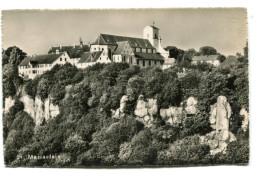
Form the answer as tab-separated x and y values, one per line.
80	41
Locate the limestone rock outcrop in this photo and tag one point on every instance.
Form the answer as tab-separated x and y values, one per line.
9	102
120	112
172	115
37	109
191	106
219	139
245	122
145	110
28	105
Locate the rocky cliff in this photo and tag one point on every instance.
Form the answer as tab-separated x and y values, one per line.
220	137
36	108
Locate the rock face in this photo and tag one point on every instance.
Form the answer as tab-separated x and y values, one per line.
219	120
191	107
9	102
145	110
44	110
245	122
37	109
28	105
120	112
172	115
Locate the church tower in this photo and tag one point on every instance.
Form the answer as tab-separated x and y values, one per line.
152	34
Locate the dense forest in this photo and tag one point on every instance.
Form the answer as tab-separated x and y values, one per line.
84	133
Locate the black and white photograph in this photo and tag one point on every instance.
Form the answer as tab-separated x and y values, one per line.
125	88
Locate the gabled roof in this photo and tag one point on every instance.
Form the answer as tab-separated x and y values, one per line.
45	59
25	62
40	59
150	56
205	58
90	57
73	51
106	39
230	60
120	47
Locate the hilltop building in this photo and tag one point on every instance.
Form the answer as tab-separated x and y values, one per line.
145	52
39	64
74	51
211	59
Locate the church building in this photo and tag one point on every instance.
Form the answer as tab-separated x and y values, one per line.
145	52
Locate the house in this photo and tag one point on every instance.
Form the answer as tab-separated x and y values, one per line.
74	51
168	62
35	65
91	58
211	59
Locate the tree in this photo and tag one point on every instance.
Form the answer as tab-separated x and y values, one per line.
207	50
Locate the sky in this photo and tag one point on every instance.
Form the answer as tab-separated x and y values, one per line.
35	31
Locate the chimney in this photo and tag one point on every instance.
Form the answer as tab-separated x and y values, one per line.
57	51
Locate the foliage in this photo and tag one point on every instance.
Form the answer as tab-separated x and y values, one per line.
85	134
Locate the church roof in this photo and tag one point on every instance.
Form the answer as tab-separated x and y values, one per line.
90	57
205	58
150	56
106	39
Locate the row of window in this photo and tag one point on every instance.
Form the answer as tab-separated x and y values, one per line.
143	62
34	72
65	59
98	49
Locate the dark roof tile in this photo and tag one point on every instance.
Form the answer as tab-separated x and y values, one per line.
106	39
151	56
90	57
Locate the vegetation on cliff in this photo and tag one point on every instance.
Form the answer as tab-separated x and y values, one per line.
85	134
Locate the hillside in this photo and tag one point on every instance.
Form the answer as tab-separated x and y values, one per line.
120	115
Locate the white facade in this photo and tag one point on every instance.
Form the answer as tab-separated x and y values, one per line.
32	70
102	58
213	62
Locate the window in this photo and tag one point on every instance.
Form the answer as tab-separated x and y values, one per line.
144	63
94	48
131	61
60	59
100	58
149	62
98	49
137	62
143	50
155	62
